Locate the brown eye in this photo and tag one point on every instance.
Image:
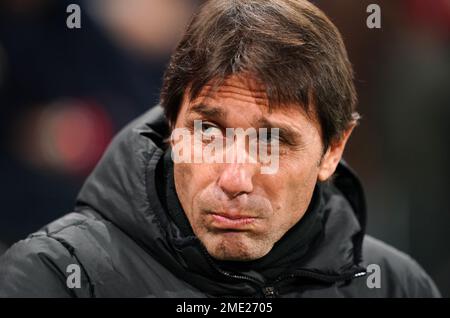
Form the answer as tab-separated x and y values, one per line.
268	137
211	131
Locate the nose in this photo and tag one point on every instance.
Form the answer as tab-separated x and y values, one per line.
236	179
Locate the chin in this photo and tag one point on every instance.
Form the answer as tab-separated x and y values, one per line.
234	249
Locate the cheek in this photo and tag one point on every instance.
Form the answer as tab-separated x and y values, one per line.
190	181
291	189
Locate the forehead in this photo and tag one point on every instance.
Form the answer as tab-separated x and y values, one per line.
240	96
239	89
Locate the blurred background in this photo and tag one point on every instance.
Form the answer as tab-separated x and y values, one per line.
64	93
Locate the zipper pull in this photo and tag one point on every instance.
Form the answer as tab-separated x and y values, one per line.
269	292
360	274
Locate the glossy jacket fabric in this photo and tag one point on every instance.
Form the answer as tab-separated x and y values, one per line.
126	244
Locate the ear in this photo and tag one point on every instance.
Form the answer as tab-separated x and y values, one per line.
333	155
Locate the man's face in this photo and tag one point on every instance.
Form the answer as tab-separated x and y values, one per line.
236	211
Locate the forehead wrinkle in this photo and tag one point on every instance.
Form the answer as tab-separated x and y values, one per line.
244	94
233	94
260	102
239	83
228	99
227	89
208	110
242	90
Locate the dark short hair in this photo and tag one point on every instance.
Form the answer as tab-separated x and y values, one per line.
290	46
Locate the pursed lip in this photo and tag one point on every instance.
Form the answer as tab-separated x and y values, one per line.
231	221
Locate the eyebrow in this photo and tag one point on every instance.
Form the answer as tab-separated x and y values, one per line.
286	133
208	111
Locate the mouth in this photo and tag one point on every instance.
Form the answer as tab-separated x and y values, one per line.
226	221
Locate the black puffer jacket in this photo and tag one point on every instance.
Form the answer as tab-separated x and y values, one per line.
127	244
